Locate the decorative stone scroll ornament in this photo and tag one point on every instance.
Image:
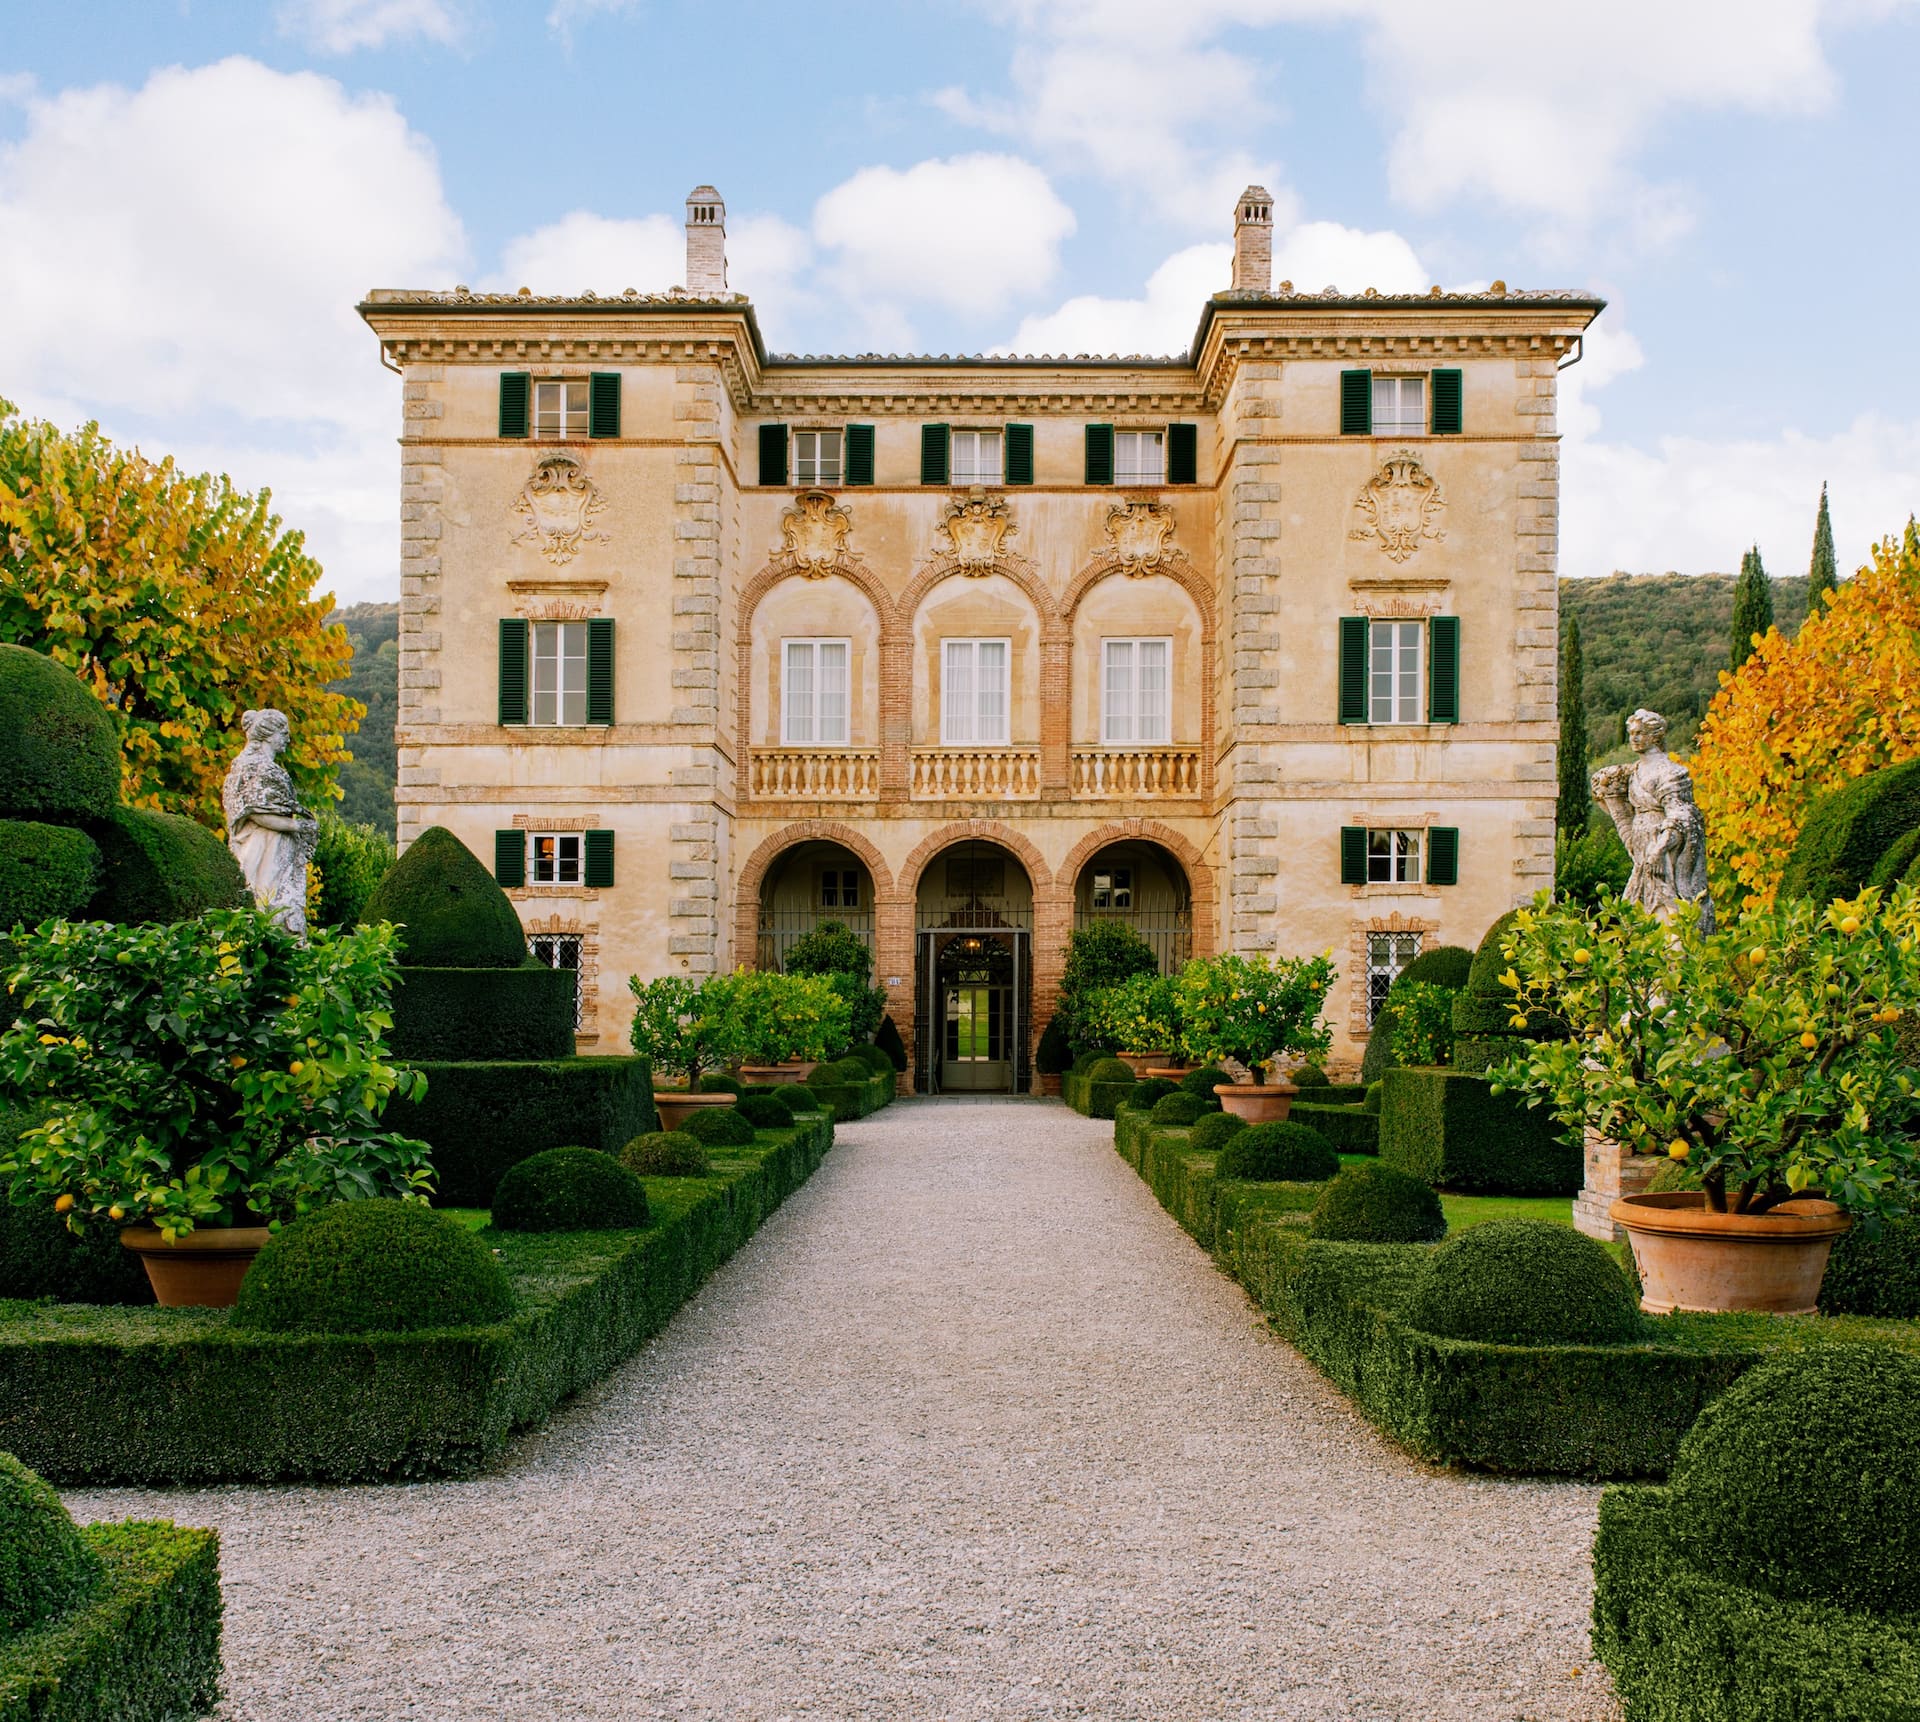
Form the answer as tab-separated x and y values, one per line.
557	507
271	835
976	528
1400	505
1140	538
815	532
1651	804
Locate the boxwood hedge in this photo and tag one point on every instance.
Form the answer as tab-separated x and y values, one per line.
47	872
483	1014
1453	1131
163	867
1848	829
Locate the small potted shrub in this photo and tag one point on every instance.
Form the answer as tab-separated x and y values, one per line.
684	1027
1137	1015
784	1024
1765	1056
1254	1010
204	1082
839	956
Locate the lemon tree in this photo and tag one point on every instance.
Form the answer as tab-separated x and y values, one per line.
1252	1008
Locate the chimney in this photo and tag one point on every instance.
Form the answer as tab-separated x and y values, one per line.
706	242
1252	242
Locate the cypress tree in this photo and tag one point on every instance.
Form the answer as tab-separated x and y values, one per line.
1822	574
1575	792
1752	606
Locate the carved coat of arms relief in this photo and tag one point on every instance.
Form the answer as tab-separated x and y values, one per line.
1400	506
557	507
975	529
813	535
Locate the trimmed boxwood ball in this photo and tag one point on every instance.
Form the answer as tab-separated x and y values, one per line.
876	1060
1442	966
1282	1149
1800	1480
718	1082
1371	1101
665	1154
765	1111
47	872
1309	1076
1145	1095
1178	1109
1377	1205
1204	1081
1110	1070
62	758
1213	1130
569	1190
1524	1282
1875	1276
45	1567
798	1097
162	867
1892	867
1849	829
720	1127
372	1267
454	914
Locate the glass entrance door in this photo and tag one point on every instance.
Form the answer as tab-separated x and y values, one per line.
971	1012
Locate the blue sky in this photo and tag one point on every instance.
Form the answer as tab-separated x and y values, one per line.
195	194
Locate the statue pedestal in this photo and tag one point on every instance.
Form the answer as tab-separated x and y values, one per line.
1612	1172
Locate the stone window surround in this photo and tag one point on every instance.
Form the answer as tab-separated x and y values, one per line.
588	933
1357	1025
1421	822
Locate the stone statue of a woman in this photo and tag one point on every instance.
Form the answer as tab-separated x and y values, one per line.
1652	806
271	835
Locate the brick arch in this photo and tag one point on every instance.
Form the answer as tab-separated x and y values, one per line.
1199	873
1024	576
1039	874
746	913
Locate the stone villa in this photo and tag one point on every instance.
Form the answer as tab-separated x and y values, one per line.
1252	647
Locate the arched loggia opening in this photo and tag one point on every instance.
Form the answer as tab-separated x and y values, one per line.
805	885
1141	884
974	971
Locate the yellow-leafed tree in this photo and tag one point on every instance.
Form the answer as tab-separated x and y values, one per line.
179	601
1804	716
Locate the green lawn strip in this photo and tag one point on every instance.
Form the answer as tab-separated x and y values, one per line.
98	1394
145	1647
1602	1411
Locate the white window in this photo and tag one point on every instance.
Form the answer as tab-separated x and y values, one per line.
816	457
1112	889
1399	406
560	951
813	693
1139	457
560	408
553	857
1134	707
975	457
1394	678
1387	955
839	888
1393	857
973	692
559	672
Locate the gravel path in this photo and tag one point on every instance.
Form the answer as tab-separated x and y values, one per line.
971	1429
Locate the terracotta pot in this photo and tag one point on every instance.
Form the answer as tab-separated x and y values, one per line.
1257	1102
1169	1072
1691	1258
677	1106
204	1268
1048	1082
774	1072
1138	1062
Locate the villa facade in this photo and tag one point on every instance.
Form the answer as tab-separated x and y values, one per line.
1253	648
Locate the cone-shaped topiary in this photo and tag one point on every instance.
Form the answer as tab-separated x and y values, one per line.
45	1568
161	867
765	1111
453	913
569	1190
665	1154
720	1127
1378	1205
1212	1130
1801	1479
798	1096
1297	1153
1204	1081
61	763
1178	1109
1524	1282
47	872
372	1267
887	1038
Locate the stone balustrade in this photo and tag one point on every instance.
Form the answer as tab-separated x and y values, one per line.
1099	773
813	774
976	774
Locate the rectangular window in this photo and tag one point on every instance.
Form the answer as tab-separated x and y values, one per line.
554	857
1387	955
816	457
973	692
1393	857
813	693
559	672
1394	672
840	888
1112	889
560	951
1139	457
1135	707
975	457
1399	406
560	408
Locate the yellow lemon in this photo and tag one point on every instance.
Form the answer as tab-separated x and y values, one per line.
124	957
1809	1040
1757	955
295	1068
116	1212
237	1062
1849	924
1517	1021
62	1204
1583	955
1677	1150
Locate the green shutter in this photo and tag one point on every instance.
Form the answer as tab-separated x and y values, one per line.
1356	403
1353	669
597	856
1017	453
603	404
859	463
1443	855
1443	669
773	454
513	669
599	669
1353	854
1183	454
936	443
1099	454
510	859
516	397
1448	403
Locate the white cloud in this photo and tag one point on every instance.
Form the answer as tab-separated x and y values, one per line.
343	26
1319	254
583	251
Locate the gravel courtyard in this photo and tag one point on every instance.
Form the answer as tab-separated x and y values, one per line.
971	1429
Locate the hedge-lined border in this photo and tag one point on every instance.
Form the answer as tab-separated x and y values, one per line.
849	1100
146	1646
1566	1410
91	1394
